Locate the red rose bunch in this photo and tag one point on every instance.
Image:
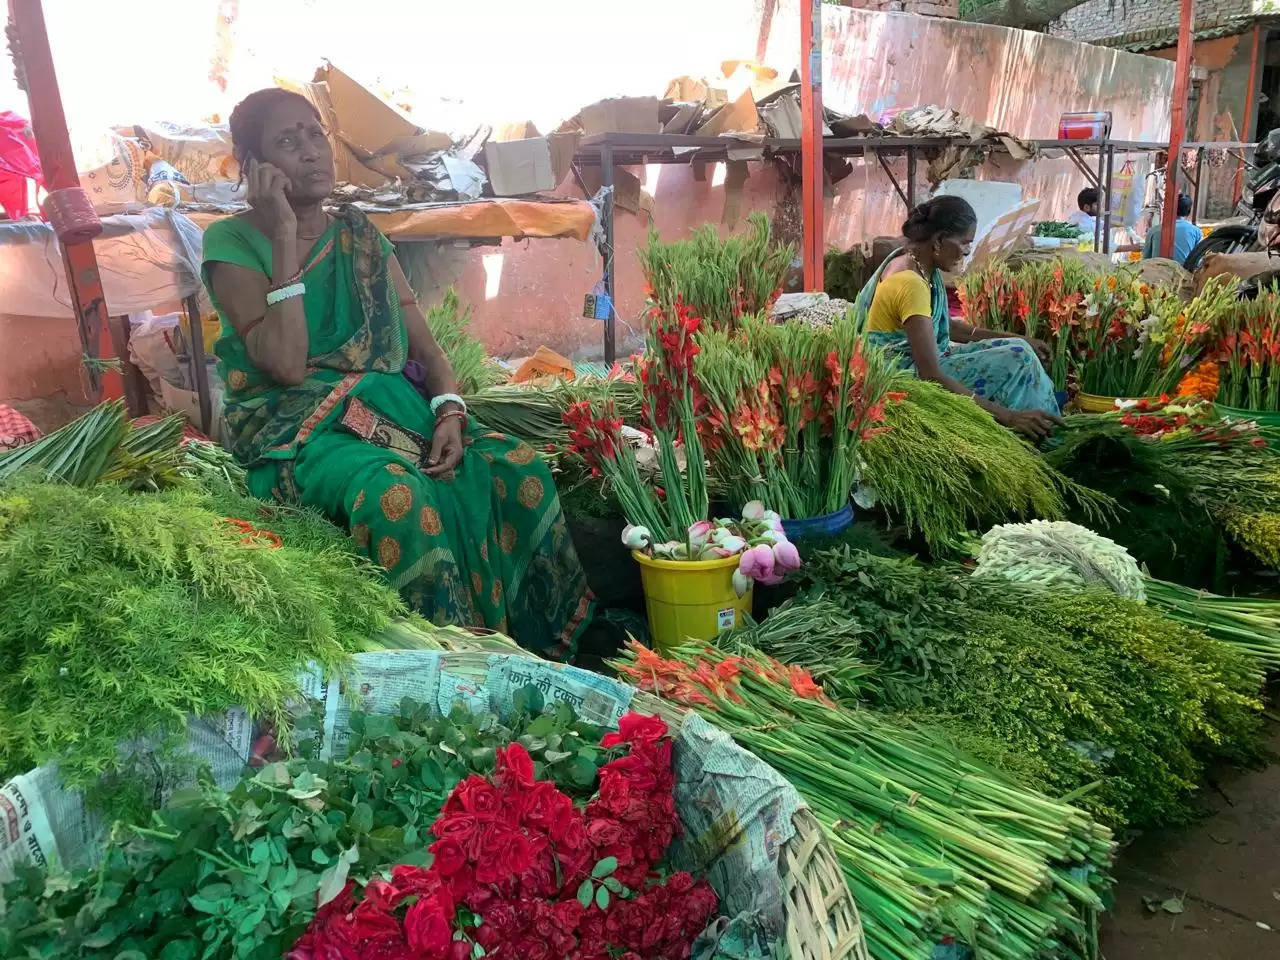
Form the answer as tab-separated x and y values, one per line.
524	873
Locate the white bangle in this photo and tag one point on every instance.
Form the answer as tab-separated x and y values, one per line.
284	293
440	400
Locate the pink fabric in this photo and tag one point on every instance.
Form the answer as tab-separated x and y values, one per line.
16	429
19	162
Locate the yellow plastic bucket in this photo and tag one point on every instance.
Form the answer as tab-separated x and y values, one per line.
690	599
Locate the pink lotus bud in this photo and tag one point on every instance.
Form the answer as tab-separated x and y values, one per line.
636	537
753	511
757	562
741	583
771	536
699	534
771	517
732	545
772	580
786	556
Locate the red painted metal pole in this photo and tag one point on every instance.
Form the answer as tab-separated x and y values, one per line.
811	142
53	143
1177	127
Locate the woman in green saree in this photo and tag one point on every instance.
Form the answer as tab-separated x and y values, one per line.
320	334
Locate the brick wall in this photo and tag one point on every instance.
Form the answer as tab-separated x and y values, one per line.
927	8
1100	20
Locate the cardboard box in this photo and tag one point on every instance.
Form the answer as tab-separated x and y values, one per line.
620	115
563	148
518	167
369	136
529	165
737	117
524	130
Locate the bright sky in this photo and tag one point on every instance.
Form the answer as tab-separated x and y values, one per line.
508	59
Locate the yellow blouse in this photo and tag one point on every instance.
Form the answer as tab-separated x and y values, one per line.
899	296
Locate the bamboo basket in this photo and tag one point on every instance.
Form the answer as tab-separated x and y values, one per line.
822	921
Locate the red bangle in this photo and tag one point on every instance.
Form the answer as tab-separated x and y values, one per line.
448	415
287	283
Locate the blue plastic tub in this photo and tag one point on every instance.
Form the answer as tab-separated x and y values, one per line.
825	526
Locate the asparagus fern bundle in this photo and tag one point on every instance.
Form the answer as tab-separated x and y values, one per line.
125	612
1058	555
933	843
1079	693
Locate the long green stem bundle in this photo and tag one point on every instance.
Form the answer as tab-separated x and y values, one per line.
1250	624
945	466
933	844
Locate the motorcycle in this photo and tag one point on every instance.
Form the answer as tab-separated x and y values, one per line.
1264	187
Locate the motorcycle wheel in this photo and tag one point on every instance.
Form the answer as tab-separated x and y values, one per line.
1230	239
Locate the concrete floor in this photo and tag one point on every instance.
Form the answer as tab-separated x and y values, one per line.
1225	870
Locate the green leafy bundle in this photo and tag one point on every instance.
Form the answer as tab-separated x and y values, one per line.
1056	228
1087	694
1183	479
450	324
945	466
126	612
102	447
844	273
219	875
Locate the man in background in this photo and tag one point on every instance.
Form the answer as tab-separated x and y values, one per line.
1185	234
1085	219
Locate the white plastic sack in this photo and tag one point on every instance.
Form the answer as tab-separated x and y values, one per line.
736	810
152	347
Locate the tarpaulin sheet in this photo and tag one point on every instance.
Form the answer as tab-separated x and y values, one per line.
144	260
500	217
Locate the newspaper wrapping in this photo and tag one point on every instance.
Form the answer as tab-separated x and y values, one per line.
736	810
